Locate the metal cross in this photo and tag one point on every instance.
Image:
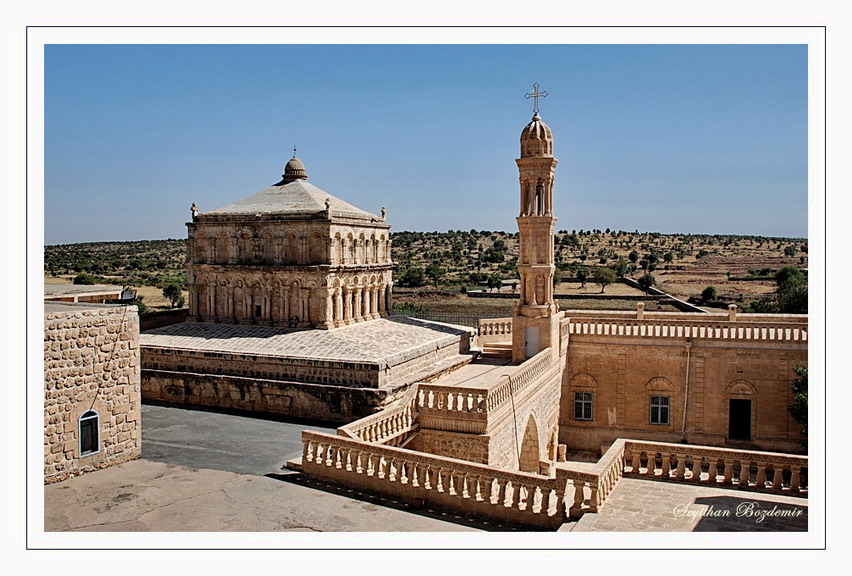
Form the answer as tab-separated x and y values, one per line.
535	95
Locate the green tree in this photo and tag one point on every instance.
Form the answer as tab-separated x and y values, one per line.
604	277
435	272
647	281
708	294
494	281
799	408
87	279
582	276
173	294
620	267
412	277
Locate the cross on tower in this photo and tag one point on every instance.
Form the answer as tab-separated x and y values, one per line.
535	94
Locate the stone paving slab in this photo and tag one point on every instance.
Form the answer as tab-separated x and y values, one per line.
373	341
637	505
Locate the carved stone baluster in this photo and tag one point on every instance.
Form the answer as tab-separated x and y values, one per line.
651	467
667	465
778	479
439	479
713	472
761	476
348	461
498	493
579	498
593	500
745	473
729	472
465	492
392	470
382	467
529	498
680	472
512	501
403	473
358	463
696	468
795	478
635	464
427	477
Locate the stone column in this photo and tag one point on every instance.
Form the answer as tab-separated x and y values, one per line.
357	303
382	306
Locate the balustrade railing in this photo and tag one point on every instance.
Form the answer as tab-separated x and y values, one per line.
455	484
716	329
493	330
391	426
467	408
723	467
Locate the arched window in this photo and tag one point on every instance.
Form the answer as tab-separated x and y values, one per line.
89	433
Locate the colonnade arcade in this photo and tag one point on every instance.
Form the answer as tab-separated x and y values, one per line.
295	301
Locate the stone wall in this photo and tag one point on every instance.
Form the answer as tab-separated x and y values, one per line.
293	399
623	373
91	363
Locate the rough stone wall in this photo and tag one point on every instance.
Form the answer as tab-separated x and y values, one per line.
471	447
623	374
91	362
294	399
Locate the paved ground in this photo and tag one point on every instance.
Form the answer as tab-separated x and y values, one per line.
366	342
206	471
638	505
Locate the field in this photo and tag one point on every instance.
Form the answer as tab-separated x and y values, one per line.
741	268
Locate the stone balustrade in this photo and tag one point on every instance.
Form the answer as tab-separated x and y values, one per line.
467	408
576	488
392	426
699	328
493	330
724	467
450	483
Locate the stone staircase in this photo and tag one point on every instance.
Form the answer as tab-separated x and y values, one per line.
497	350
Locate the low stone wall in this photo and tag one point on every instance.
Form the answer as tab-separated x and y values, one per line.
91	363
151	320
294	399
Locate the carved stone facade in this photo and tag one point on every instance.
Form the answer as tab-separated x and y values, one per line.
291	255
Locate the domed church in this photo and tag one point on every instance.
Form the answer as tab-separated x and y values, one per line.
291	255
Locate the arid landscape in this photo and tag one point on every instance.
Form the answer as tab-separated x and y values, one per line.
435	271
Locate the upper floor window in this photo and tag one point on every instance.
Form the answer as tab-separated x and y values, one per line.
583	404
660	409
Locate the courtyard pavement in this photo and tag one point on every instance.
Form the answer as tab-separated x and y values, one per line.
208	471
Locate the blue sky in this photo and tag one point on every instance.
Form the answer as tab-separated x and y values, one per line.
668	138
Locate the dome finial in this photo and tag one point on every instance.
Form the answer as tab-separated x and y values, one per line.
535	95
294	170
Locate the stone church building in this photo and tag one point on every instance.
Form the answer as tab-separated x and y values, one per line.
291	255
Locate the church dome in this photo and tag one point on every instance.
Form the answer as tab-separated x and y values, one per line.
294	170
536	139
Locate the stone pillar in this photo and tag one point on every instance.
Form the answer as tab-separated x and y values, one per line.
357	304
640	310
732	312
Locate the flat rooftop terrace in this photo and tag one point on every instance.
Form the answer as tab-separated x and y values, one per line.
386	340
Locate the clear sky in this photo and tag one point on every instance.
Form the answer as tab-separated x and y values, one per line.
668	138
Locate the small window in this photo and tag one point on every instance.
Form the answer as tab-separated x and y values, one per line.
89	433
583	405
660	409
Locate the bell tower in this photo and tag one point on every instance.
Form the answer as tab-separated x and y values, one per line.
535	323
